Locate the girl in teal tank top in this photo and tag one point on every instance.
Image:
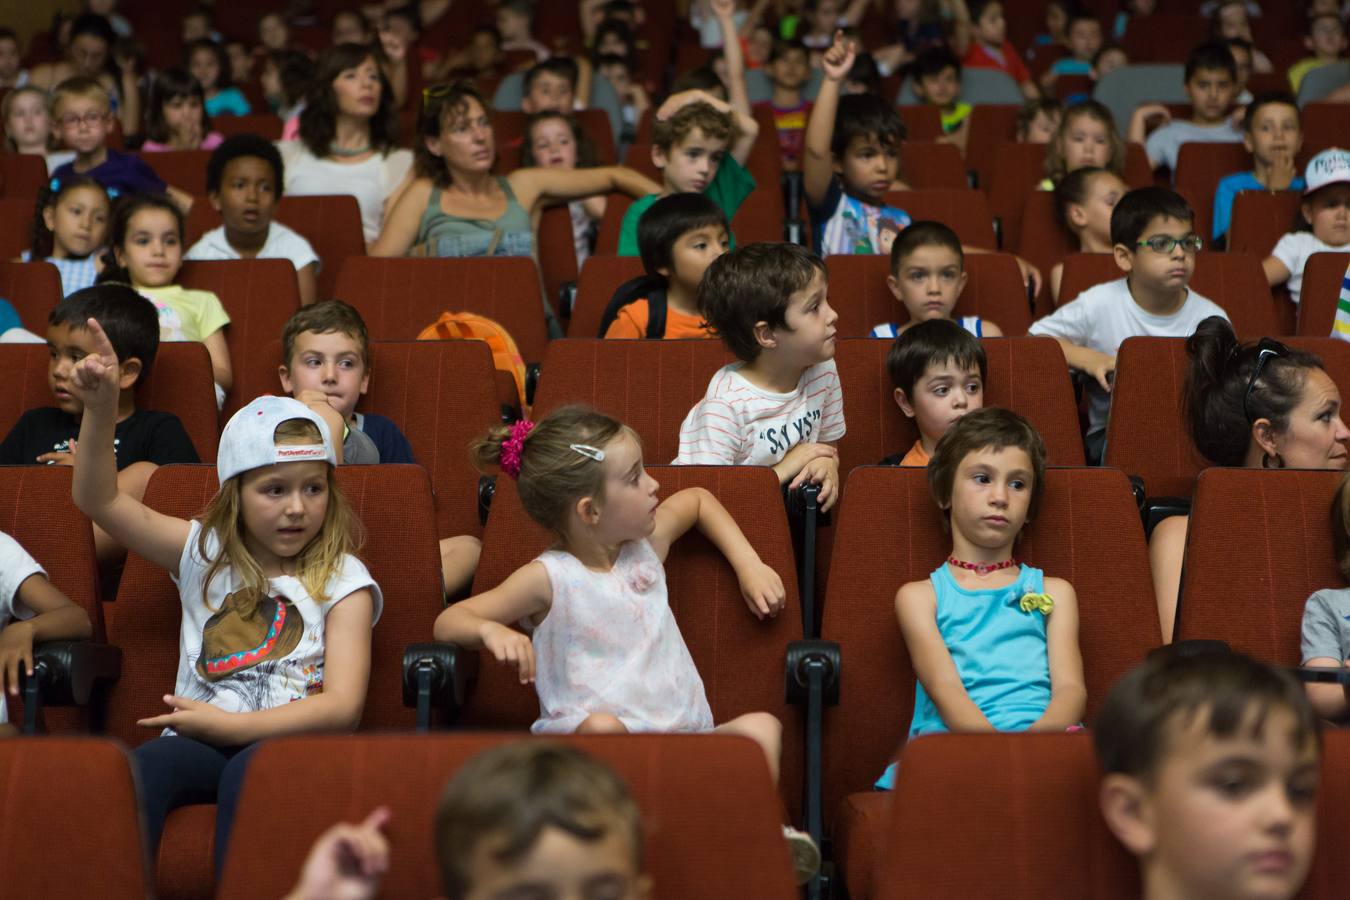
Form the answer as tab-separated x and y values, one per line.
994	643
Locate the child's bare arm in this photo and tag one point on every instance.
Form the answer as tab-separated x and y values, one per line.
219	351
725	10
854	13
1276	271
1328	700
585	78
817	161
157	537
916	608
485	620
56	619
535	186
308	280
1095	363
401	223
960	16
1137	133
761	587
1068	693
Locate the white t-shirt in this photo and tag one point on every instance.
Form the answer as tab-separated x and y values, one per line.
281	243
251	666
739	424
370	181
1103	316
16	567
1164	144
1294	249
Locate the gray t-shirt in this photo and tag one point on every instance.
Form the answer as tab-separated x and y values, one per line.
358	449
1326	625
1164	145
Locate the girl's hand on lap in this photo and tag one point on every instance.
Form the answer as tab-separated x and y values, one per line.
94	379
762	589
510	647
196	719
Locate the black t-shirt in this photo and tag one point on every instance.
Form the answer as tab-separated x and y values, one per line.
145	436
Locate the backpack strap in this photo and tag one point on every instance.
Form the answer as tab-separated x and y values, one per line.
630	292
656	314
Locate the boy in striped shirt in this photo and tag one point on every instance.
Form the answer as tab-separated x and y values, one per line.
780	405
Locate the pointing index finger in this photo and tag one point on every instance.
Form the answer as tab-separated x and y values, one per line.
102	345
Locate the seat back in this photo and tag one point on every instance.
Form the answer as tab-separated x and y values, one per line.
33	289
1234	281
258	294
16	226
1258	546
262	124
395	505
182	169
1321	81
1125	88
400	297
1324	276
1323	126
59	783
36	509
556	249
600	277
1025	375
717	781
950	787
929	164
991	126
923	124
1260	219
994	291
508	127
1200	167
966	212
1044	241
179	382
978	86
739	657
22	175
648	385
1087	532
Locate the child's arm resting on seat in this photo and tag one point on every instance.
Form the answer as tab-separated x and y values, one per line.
56	619
346	675
536	185
157	537
1068	695
817	161
761	586
480	620
916	607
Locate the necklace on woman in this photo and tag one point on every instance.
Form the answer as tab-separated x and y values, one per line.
343	152
981	569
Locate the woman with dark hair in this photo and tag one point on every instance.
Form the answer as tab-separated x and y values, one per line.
1247	405
89	52
457	207
176	118
348	134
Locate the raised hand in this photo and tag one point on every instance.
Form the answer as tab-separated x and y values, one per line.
94	380
838	60
347	862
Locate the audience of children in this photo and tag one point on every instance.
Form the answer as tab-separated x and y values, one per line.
1271	132
1323	224
70	229
938	371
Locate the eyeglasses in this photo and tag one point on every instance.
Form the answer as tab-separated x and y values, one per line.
1163	243
1266	350
72	121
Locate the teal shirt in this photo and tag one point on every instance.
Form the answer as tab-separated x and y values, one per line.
729	188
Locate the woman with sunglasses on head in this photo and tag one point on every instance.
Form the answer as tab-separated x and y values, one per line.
348	137
456	207
1261	405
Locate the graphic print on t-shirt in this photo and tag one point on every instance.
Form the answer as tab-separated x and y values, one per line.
782	438
234	640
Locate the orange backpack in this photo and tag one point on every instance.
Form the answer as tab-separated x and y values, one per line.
466	326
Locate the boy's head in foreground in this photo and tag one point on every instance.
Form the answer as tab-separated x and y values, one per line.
132	325
1210	765
769	300
533	819
325	348
1154	239
679	237
689	146
938	370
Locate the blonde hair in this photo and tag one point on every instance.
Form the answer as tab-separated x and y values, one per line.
1055	165
553	476
79	86
340	534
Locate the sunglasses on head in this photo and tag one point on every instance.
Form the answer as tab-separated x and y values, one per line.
1267	349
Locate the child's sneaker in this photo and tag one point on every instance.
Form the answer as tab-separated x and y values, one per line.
805	854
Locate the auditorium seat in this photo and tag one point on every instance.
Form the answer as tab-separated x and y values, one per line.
1324	275
929	164
181	169
600	277
965	211
22	175
16	225
33	289
991	126
264	125
1260	219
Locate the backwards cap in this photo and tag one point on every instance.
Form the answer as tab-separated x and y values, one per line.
1328	167
249	439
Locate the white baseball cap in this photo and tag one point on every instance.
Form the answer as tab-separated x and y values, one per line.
1328	167
249	439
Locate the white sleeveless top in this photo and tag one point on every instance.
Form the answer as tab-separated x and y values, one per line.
610	644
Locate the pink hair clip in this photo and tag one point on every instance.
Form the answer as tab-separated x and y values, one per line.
513	446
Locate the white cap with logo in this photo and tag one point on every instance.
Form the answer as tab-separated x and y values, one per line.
1328	167
249	439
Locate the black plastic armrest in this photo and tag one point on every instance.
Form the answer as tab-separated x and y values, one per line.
510	414
67	673
1158	508
567	298
805	497
1139	492
439	675
811	679
998	232
1316	674
531	382
487	489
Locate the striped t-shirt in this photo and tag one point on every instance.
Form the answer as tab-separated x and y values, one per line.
1340	328
739	424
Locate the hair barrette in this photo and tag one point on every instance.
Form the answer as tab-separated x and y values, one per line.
588	451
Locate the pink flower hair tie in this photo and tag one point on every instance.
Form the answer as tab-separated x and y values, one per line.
513	446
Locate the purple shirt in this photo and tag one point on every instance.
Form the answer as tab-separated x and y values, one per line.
120	173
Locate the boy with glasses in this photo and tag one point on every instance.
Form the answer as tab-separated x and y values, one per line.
1154	243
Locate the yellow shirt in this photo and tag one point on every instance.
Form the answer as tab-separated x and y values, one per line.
186	315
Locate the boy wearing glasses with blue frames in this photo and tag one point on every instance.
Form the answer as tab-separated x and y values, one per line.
1154	243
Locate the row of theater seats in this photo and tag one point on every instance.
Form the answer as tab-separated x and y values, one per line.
1087	532
966	808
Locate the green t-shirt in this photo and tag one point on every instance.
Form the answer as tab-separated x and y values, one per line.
729	188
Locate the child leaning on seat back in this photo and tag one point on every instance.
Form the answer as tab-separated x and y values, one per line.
994	641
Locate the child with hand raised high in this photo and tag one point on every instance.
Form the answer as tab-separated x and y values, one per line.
276	611
994	643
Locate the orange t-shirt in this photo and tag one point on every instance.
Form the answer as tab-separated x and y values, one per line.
631	323
916	456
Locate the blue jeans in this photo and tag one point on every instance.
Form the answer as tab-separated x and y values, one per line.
178	771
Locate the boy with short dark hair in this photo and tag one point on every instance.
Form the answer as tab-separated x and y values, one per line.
780	405
1154	240
1272	133
1211	774
789	69
937	81
551	86
938	370
515	24
244	180
989	47
678	238
1083	37
928	273
1211	83
1325	39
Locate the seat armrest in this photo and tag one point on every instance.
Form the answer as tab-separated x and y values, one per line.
1156	509
67	673
531	382
438	675
487	489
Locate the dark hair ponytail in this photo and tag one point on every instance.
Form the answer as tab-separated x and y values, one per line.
1216	385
